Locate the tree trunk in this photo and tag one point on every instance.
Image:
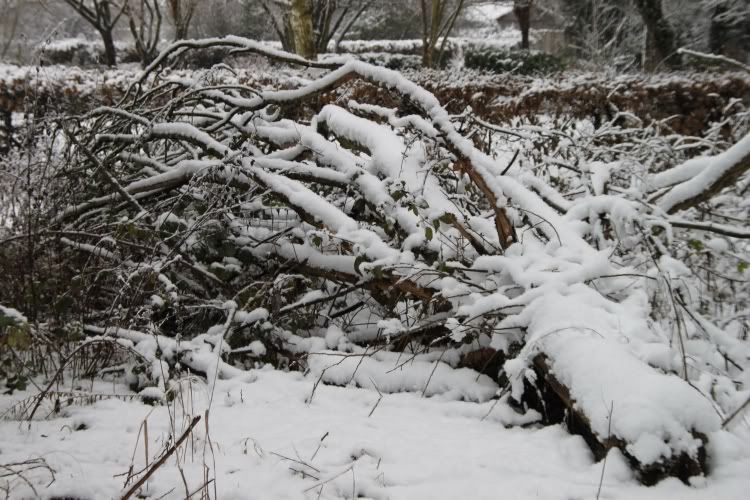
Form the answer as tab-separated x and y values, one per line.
343	30
8	131
662	42
9	29
110	53
287	36
302	28
522	10
718	31
181	13
427	60
435	19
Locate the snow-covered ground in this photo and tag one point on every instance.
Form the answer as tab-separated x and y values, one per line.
269	443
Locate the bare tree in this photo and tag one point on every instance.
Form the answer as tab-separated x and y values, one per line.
522	10
181	14
389	21
335	20
643	32
438	19
612	34
103	15
661	42
729	26
144	20
9	25
329	20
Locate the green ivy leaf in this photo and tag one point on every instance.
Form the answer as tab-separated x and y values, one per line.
448	218
428	233
696	245
397	195
742	266
15	383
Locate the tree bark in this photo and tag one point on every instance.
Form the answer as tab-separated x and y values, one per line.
301	25
437	24
661	39
181	13
522	10
144	20
10	25
100	15
110	52
718	31
8	131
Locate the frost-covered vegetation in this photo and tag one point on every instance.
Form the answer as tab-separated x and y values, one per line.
244	272
567	270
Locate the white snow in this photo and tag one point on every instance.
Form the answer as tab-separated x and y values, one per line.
269	443
12	314
654	412
388	373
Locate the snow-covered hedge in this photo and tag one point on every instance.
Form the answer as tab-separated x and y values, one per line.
688	102
509	61
82	52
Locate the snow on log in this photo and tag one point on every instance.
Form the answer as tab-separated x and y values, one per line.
578	359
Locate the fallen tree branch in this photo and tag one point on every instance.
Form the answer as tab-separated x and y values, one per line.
719	172
711	227
714	58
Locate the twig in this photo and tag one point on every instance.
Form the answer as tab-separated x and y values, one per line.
604	461
321	483
284	457
380	397
503	392
736	412
440	358
320	443
161	461
512	161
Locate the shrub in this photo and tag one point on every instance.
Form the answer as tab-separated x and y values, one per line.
513	61
82	52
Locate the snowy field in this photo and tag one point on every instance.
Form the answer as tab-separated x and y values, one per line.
269	443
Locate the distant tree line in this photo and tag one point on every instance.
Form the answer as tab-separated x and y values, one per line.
646	32
652	31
